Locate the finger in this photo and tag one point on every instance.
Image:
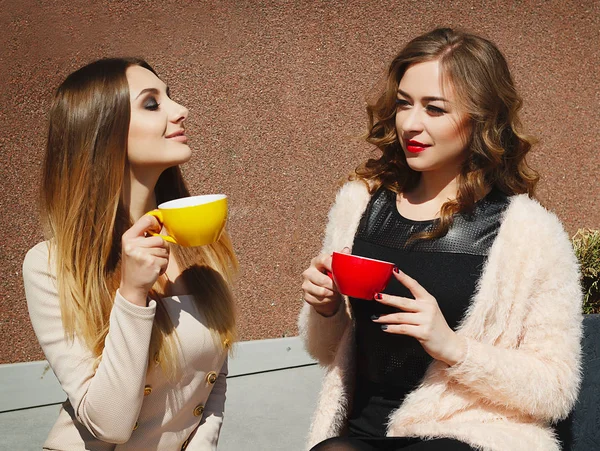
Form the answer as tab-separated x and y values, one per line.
310	299
316	277
163	265
398	318
317	291
402	329
159	252
406	304
156	225
346	250
315	301
413	286
322	263
141	226
148	242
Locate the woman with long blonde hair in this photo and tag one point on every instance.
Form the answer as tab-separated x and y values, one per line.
136	330
474	343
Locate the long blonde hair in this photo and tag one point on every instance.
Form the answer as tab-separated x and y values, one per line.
497	147
84	217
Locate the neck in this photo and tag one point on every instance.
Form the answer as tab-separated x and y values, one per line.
441	185
138	194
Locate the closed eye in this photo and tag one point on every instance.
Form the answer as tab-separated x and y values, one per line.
151	104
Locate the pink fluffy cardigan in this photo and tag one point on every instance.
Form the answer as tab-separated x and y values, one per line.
523	327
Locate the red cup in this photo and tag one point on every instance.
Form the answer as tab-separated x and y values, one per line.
360	277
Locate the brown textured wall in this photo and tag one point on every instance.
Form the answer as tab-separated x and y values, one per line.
276	96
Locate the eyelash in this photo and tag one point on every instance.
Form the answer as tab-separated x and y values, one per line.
435	109
151	104
430	108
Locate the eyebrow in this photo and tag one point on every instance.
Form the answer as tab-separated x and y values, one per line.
427	99
153	91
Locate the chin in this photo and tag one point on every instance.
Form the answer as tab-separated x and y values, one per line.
417	165
182	155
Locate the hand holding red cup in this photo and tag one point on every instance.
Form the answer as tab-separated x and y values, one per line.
360	277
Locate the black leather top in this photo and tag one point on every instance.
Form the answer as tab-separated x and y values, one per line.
389	366
470	233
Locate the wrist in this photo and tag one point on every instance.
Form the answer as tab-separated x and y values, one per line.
136	297
457	351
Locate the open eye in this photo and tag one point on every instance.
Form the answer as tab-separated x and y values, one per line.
401	103
435	111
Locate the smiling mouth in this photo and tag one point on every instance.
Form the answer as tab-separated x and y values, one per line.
416	146
177	136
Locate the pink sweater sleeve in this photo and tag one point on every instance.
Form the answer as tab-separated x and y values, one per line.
106	401
321	334
539	375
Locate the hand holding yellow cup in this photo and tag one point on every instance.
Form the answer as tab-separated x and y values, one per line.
193	221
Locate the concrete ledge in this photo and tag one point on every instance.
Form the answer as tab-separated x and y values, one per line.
28	384
33	384
258	356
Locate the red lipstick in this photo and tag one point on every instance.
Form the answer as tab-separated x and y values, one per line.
415	146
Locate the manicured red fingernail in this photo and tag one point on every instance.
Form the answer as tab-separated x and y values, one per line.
396	270
378	296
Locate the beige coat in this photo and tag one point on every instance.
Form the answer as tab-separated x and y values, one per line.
523	328
123	405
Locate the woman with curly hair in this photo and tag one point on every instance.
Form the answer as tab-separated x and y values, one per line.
475	342
137	331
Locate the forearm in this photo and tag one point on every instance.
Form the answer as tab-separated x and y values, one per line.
322	334
526	352
111	404
543	384
106	400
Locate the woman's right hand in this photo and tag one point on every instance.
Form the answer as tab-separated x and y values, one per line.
143	259
318	288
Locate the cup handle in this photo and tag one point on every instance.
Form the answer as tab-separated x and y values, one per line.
158	215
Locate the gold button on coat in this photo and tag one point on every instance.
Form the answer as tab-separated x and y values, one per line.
147	390
185	444
211	377
198	410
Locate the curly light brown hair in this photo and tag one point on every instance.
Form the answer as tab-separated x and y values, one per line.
479	75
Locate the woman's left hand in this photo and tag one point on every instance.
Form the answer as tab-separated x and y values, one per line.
422	319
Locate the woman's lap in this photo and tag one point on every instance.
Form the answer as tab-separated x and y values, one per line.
390	444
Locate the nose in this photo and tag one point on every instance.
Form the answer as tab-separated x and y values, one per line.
412	120
179	114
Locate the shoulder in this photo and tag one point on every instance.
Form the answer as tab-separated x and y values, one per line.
351	199
527	221
39	281
37	258
350	203
353	190
352	194
523	210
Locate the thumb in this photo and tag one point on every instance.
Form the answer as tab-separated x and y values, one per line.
346	250
155	224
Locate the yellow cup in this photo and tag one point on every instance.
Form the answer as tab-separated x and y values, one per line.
193	221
